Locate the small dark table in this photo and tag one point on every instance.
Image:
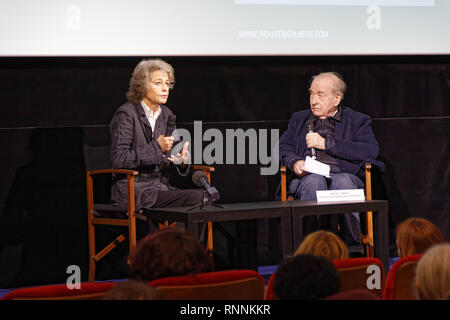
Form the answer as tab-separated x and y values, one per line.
290	212
231	212
380	216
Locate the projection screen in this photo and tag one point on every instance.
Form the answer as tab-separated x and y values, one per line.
223	27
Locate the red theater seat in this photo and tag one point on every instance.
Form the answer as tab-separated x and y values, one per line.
355	273
88	291
220	285
400	279
270	294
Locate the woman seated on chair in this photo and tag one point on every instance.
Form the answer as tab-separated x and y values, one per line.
167	253
142	139
323	243
416	235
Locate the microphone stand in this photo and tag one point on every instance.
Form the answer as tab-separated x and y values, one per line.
203	206
207	204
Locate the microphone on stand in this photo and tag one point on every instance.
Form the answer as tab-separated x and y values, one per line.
310	129
200	179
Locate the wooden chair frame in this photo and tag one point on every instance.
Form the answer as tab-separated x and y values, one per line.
129	222
366	238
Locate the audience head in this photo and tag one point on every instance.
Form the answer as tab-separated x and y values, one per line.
167	253
416	235
306	277
132	290
433	274
323	243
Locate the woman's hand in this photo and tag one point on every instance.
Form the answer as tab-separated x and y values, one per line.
183	156
165	143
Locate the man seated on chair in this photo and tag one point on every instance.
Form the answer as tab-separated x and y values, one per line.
341	138
141	141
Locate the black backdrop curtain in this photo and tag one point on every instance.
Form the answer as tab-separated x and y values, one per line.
70	101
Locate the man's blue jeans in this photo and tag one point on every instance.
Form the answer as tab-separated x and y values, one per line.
305	189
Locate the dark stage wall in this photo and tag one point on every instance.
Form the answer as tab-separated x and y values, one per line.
50	107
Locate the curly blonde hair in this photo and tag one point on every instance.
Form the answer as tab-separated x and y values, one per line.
433	274
141	77
323	243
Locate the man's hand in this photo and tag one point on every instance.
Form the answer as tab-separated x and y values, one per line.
315	140
298	167
165	143
183	156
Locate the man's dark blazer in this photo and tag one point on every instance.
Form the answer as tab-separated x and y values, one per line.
134	146
353	143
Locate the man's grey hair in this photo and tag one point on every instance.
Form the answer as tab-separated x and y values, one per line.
141	78
339	85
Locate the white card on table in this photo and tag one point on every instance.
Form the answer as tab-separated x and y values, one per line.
340	195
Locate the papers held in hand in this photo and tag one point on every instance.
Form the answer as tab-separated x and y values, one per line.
317	167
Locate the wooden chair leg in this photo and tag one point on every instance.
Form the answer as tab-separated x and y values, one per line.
91	255
91	236
131	214
210	242
91	228
369	215
91	269
210	238
283	183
